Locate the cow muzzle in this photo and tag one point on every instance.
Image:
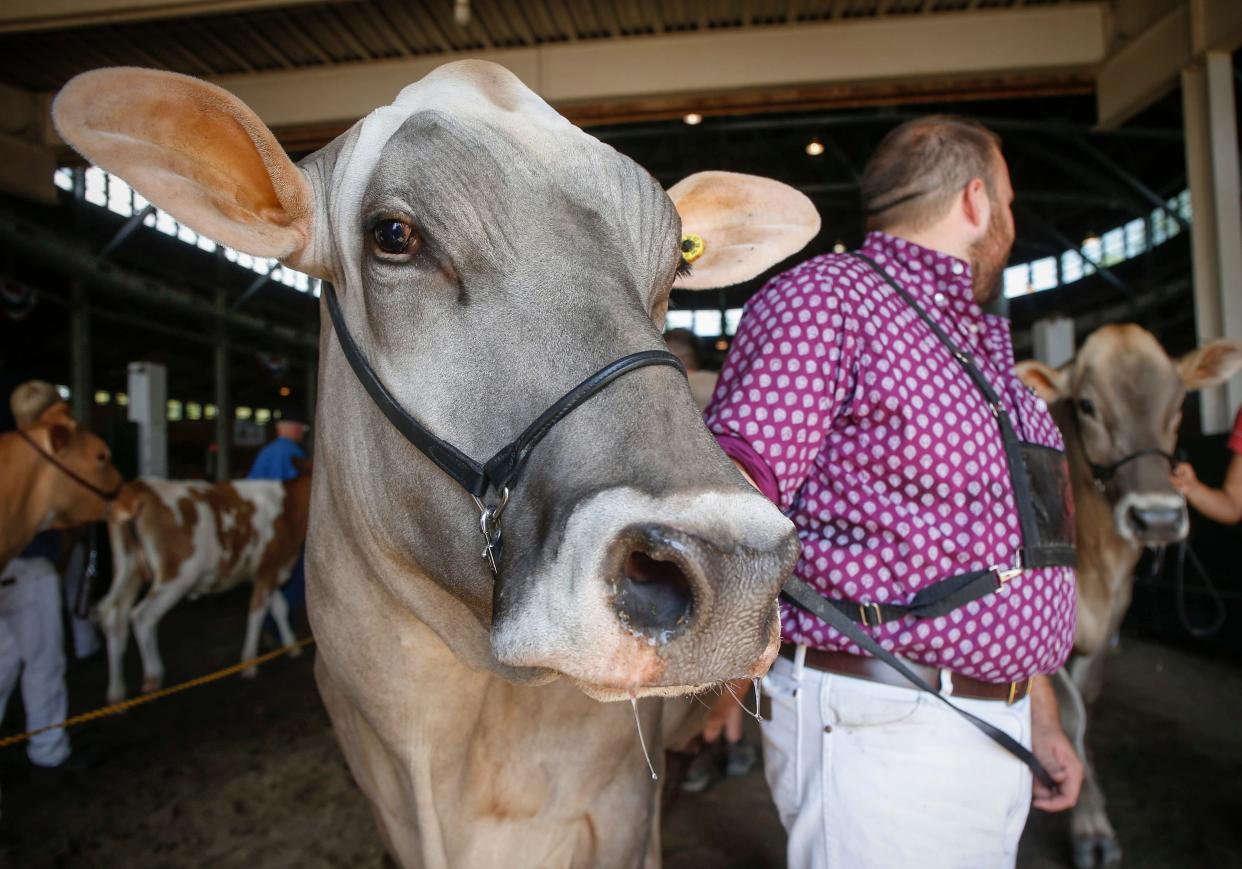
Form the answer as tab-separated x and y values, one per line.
1152	519
648	595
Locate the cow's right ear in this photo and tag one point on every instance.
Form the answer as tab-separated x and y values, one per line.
1050	384
194	150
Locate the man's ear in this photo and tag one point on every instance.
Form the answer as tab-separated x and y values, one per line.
194	150
745	223
1210	365
1050	384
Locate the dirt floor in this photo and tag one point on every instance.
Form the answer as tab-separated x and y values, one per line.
246	773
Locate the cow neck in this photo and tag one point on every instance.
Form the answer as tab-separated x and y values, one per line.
503	470
106	495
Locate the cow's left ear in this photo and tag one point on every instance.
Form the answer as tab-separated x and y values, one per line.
1210	365
736	226
1050	384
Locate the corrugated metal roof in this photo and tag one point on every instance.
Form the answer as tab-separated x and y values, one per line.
357	31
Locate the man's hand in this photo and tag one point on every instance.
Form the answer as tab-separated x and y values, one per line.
1053	749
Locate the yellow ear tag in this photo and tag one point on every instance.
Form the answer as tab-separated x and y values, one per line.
692	247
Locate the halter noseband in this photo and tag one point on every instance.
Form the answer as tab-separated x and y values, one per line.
102	493
501	471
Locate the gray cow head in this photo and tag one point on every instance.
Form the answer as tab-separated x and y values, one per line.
488	256
1122	395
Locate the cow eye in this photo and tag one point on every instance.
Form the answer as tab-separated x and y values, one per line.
395	237
1086	407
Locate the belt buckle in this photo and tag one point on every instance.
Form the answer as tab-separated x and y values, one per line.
1013	693
1005	574
875	608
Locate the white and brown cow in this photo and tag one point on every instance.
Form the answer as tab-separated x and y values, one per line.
36	493
1120	396
488	256
188	538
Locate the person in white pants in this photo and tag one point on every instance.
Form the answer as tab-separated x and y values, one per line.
32	647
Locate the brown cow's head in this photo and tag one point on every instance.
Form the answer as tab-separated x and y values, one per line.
81	452
1122	395
488	256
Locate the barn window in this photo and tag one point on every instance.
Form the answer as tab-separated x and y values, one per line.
1044	273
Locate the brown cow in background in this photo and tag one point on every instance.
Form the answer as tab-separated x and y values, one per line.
1118	404
54	474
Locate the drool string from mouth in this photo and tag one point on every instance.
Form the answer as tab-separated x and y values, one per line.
641	740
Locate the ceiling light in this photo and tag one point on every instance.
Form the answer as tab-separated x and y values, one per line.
693	119
1091	239
722	344
814	148
284	391
839	247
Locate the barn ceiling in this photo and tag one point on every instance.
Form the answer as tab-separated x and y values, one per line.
41	49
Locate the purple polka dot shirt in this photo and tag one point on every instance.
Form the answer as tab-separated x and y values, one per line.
858	423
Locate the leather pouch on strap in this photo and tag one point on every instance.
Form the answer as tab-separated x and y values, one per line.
1048	523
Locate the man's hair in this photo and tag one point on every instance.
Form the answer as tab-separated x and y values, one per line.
29	400
918	168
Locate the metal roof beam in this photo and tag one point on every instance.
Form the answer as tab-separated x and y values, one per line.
74	260
1050	40
28	15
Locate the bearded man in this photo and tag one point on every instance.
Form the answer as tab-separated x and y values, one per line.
871	398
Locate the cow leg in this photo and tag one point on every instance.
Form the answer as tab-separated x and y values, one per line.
279	608
112	614
145	619
260	598
1094	840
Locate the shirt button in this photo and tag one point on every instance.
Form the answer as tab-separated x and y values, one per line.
939	298
958	268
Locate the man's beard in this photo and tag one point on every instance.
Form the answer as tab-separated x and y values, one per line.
988	257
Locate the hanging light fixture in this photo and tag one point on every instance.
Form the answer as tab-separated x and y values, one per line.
814	148
838	247
693	119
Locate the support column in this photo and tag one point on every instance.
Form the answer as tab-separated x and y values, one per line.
1053	340
224	401
148	406
82	389
1212	168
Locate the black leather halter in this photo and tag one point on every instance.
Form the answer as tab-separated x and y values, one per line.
1103	474
106	495
502	471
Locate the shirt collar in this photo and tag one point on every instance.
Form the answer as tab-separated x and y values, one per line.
932	277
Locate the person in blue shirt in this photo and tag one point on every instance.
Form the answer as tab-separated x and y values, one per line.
275	462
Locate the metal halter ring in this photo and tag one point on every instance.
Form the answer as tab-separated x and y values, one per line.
489	526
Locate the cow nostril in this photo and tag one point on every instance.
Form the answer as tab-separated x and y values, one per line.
653	596
1158	521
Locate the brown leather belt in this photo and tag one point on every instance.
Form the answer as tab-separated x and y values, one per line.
877	671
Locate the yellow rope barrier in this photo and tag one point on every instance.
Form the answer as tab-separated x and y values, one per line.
156	695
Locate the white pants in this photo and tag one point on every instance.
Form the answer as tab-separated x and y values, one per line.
867	775
34	650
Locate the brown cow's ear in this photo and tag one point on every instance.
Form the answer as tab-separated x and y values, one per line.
1210	365
59	436
736	226
1050	384
194	150
58	413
